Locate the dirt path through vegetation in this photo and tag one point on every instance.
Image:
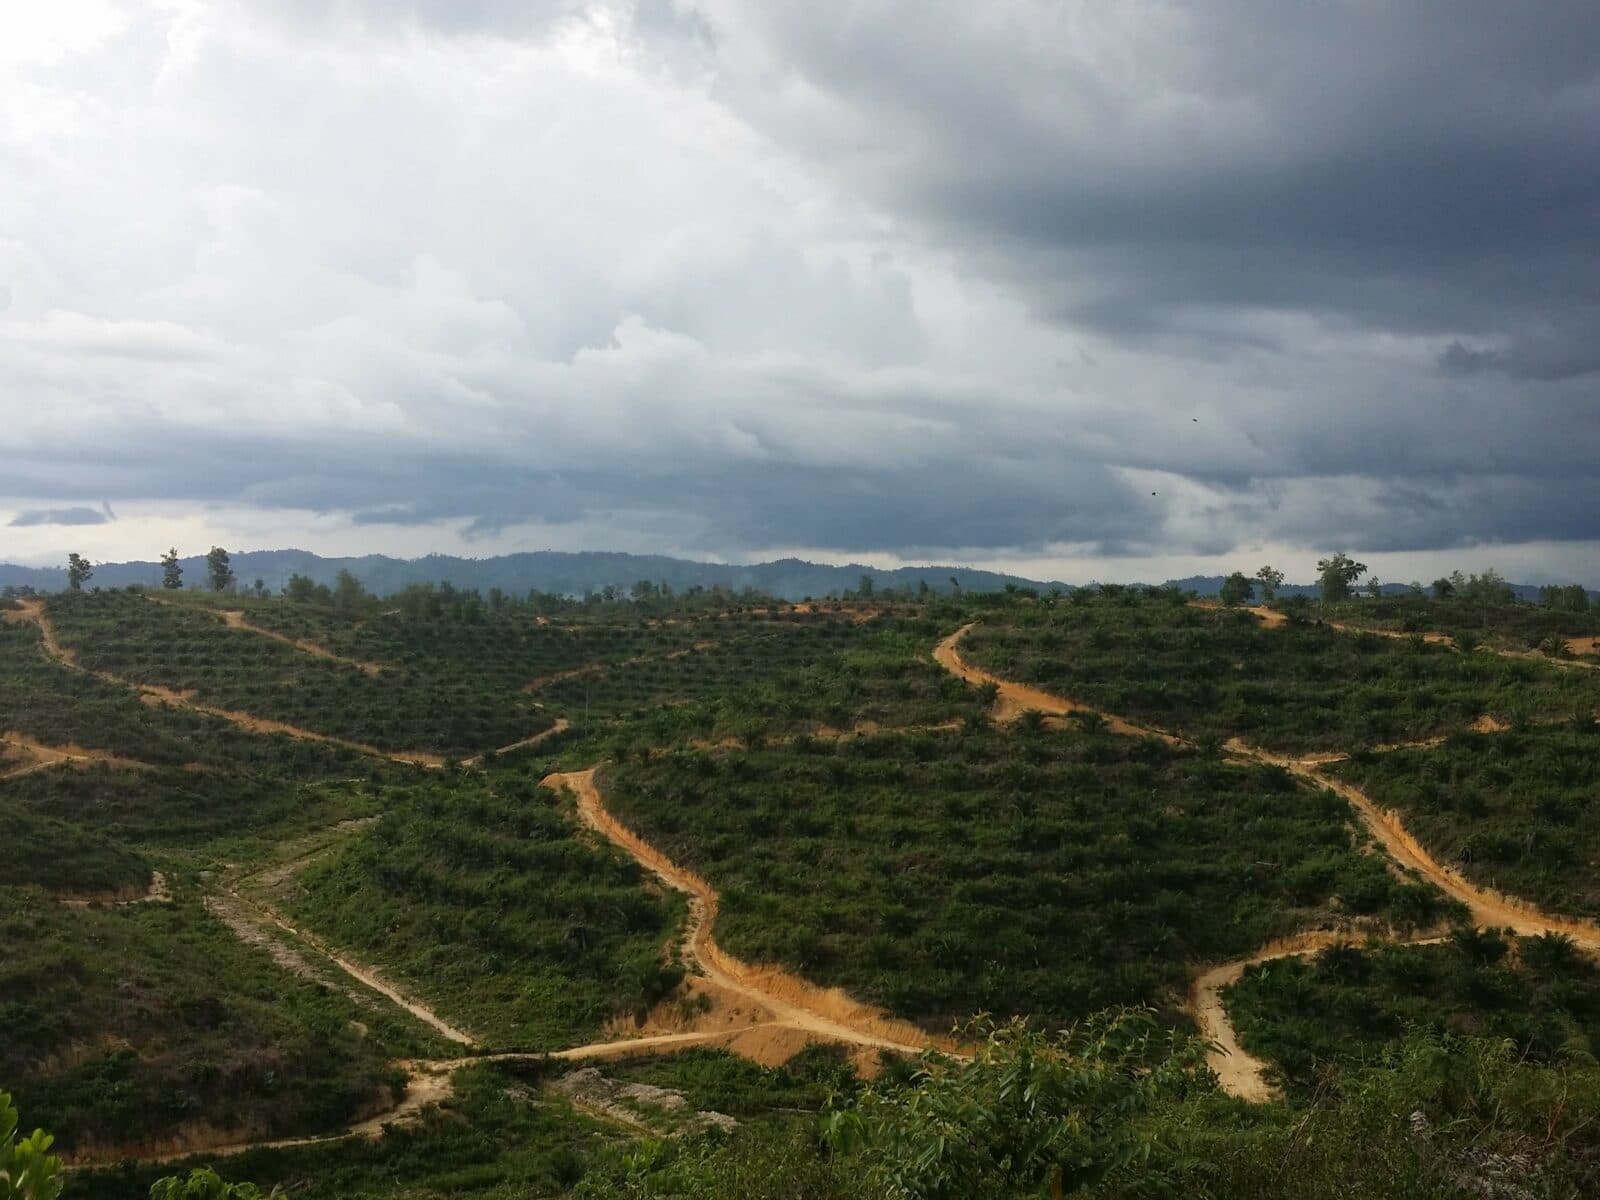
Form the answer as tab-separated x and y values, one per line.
830	1014
155	892
37	755
1273	619
1239	1071
33	611
429	1082
1014	699
1488	908
253	910
244	906
600	668
561	726
235	619
150	693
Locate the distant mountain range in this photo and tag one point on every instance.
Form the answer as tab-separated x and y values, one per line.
574	574
546	570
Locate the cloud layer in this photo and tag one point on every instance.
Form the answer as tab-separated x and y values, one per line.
1033	280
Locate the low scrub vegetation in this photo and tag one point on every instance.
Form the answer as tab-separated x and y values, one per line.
1484	619
135	1025
189	651
1216	674
1514	811
50	854
1043	872
1357	1004
484	896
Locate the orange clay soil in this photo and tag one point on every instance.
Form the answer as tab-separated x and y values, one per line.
828	1014
155	892
234	619
33	611
762	1013
1240	1072
1014	699
1583	645
36	755
1577	645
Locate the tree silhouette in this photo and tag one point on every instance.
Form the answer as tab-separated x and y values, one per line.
1336	574
1270	579
219	569
1236	590
78	571
171	570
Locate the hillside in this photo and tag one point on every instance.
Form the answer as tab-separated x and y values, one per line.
411	901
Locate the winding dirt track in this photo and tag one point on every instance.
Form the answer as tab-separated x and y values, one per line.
782	1012
1273	619
37	756
1014	699
235	619
366	976
789	1004
600	668
1240	1072
33	611
828	1013
429	1082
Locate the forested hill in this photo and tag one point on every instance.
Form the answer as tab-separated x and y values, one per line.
546	570
575	573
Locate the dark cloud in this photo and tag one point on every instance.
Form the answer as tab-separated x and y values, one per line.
995	493
1543	357
63	516
914	276
1421	167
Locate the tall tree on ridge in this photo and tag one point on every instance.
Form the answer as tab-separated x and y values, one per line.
171	570
78	571
219	568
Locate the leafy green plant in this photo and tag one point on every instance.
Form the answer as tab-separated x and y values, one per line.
28	1171
1029	1113
203	1183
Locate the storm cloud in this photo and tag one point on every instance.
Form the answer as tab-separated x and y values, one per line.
1035	281
61	516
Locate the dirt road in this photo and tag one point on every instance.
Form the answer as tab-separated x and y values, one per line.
561	726
235	907
33	611
1240	1072
783	1013
1014	699
1274	619
235	619
830	1014
36	756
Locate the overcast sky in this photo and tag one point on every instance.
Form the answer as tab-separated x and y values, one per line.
1077	289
